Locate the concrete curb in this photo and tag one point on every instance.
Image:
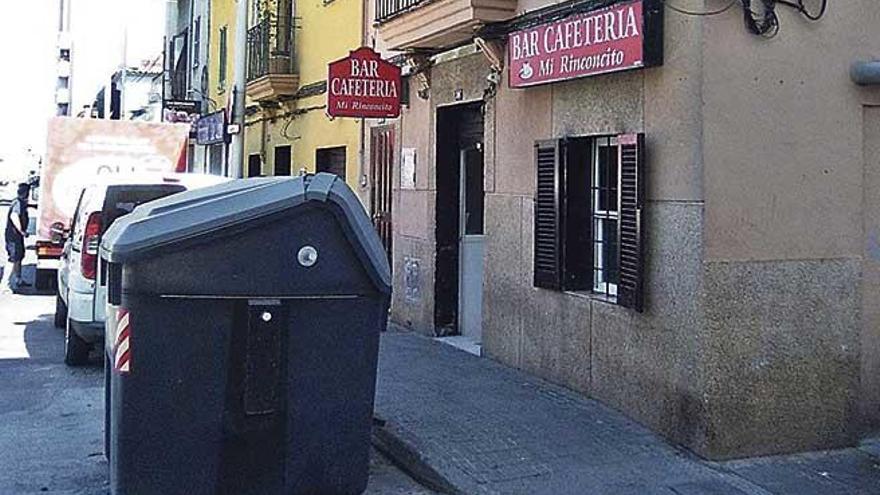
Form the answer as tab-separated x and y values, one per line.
391	442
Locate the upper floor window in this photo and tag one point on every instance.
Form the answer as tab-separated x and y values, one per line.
603	192
284	20
197	40
221	76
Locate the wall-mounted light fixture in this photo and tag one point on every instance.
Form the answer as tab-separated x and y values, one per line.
865	73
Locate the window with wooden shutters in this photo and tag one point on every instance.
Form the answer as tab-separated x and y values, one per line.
221	76
589	201
548	215
577	243
631	227
605	215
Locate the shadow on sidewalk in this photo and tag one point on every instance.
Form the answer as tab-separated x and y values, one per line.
29	275
45	344
50	414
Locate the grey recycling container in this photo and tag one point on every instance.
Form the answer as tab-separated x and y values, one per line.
242	339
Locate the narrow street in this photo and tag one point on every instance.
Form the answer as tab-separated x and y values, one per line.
616	247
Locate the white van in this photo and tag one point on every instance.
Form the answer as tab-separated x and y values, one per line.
82	290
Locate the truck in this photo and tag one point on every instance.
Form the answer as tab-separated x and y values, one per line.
78	152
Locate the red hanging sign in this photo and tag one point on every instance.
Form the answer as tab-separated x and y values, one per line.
363	85
619	37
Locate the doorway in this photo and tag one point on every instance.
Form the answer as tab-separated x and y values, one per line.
458	283
255	165
381	163
331	161
215	159
282	163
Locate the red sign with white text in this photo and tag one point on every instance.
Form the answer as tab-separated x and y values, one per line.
606	40
363	85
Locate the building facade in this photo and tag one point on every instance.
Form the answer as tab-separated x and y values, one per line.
692	241
64	62
141	87
287	130
186	95
135	94
221	55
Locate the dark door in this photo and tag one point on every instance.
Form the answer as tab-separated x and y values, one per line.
282	160
331	160
459	128
381	160
254	165
215	159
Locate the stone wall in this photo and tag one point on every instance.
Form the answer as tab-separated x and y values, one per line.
760	330
785	273
644	364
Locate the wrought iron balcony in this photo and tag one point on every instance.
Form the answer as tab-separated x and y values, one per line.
386	9
436	24
270	71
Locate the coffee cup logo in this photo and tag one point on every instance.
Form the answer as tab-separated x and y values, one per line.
525	71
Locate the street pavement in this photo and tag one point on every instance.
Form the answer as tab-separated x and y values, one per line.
470	425
52	415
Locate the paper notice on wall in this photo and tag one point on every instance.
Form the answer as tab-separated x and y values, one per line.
411	279
408	168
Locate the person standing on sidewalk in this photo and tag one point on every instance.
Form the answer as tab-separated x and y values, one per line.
16	230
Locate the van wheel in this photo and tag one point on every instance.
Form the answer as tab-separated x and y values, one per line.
60	312
76	350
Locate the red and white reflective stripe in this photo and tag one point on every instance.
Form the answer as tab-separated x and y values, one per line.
122	356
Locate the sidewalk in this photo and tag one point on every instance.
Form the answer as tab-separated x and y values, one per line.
465	424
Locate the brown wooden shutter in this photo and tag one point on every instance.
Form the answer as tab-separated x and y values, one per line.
548	215
577	244
631	228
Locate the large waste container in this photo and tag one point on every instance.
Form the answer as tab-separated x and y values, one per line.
243	340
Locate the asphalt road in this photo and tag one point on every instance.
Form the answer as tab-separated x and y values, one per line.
51	415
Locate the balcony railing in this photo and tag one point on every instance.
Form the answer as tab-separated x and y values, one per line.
270	48
386	9
436	25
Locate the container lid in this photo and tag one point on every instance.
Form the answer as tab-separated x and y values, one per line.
196	213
